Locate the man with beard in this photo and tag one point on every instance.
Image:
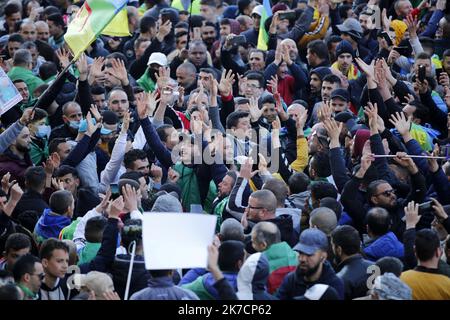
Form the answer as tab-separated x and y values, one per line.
315	84
344	63
148	79
313	267
219	206
352	32
209	34
317	54
369	38
16	158
381	194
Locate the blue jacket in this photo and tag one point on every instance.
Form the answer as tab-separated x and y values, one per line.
192	275
50	225
386	245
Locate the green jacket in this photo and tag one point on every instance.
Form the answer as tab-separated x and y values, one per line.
146	82
37	153
88	253
27	76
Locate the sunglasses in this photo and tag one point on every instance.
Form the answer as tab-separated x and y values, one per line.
386	193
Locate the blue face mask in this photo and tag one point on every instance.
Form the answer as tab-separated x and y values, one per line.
74	124
43	131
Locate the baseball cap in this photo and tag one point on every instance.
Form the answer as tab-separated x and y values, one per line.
352	27
312	240
341	94
158	58
258	10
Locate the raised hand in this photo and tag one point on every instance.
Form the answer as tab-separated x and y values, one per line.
413	25
433	165
57	185
273	83
246	169
226	83
333	130
163	30
325	111
286	56
95	72
369	70
126	122
119	71
262	164
91	127
255	112
141	105
400	122
439	211
405	161
27	116
366	162
95	113
162	77
371	112
129	197
103	206
173	176
63	56
116	207
412	215
156	173
82	67
6	184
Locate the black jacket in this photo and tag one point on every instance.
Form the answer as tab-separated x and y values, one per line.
294	284
30	201
353	272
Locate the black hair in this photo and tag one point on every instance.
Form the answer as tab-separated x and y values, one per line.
343	11
10	292
16	37
331	78
320	162
11	8
323	189
209	24
146	23
133	175
24	265
162	132
57	19
268	98
94	229
50	245
332	204
390	264
54	143
60	201
378	221
422	111
230	252
347	237
97	90
211	3
118	56
298	182
39	114
319	48
35	178
47	70
182	24
372	188
65	169
133	155
426	244
17	241
256	75
233	118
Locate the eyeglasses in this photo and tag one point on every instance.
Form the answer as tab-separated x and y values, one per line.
253	86
386	193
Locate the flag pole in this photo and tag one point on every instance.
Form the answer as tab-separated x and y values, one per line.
56	79
189	23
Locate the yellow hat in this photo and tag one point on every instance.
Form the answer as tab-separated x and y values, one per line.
399	28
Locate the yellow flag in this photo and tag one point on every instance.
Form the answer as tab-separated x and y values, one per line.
118	27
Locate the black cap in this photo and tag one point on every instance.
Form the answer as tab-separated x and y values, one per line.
341	94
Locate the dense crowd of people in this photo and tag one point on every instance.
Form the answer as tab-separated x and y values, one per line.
318	137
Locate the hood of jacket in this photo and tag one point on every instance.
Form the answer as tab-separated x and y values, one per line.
50	225
298	200
386	245
252	276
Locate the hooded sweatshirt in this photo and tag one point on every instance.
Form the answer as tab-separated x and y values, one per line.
50	225
282	260
386	245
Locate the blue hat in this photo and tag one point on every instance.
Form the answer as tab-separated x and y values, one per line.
312	240
344	47
321	72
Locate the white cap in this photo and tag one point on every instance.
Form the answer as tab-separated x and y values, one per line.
158	58
258	10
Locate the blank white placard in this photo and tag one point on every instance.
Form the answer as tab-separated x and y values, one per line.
177	240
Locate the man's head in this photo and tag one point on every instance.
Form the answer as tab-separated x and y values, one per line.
22	87
298	183
13	15
425	60
181	39
239	123
381	194
231	229
147	27
60	146
262	205
318	141
231	256
264	234
245	7
330	83
136	160
254	84
351	31
320	190
16	245
139	47
227	184
291	47
268	109
62	203
14	43
344	54
366	20
257	60
278	188
208	10
197	53
98	95
378	222
186	74
22	58
403	8
319	165
42	30
340	99
118	102
256	15
28	31
323	219
345	242
427	247
390	264
312	249
93	231
68	175
54	256
156	61
317	53
35	179
209	33
55	24
28	272
21	145
72	115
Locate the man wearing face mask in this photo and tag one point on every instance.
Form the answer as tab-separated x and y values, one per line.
72	116
39	133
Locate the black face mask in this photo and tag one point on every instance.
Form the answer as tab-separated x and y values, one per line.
152	74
